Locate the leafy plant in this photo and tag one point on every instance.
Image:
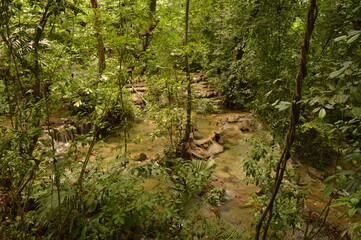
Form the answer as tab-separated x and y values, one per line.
287	210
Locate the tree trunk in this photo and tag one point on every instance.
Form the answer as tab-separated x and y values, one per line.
99	37
188	78
152	8
294	118
148	34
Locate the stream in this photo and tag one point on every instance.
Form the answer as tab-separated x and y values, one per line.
237	130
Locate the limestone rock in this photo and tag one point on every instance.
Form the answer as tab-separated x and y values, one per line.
142	157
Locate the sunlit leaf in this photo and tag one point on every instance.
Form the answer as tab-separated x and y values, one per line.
283	105
322	113
343	37
316	110
354	200
329	106
351	40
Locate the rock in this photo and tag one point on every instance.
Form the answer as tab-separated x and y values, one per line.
214	149
304	176
137	89
45	137
223	121
197	135
225	197
343	193
233	118
206	147
203	84
63	133
211	93
260	192
245	126
198	155
136	99
204	143
315	174
198	79
142	157
218	137
302	182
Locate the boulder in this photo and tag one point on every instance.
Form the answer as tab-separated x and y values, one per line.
142	157
214	149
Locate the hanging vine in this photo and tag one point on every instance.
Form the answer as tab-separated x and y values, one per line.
294	118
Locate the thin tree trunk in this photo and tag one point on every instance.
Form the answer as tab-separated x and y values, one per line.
148	35
38	71
294	118
152	8
122	82
188	78
99	37
5	75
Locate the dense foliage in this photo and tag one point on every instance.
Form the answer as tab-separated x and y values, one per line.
84	57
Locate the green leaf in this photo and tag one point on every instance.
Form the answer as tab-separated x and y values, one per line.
275	103
354	32
316	110
328	190
343	37
341	184
356	111
351	40
339	204
329	106
83	233
329	178
341	98
337	73
322	113
283	105
340	71
351	212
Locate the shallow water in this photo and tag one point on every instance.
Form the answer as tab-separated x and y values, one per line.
229	171
229	174
139	141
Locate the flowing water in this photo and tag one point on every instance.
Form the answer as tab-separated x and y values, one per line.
229	171
237	130
230	175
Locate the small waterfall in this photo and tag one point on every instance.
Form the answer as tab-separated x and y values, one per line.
63	133
83	128
66	130
60	149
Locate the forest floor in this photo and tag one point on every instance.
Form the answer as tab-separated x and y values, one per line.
238	131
